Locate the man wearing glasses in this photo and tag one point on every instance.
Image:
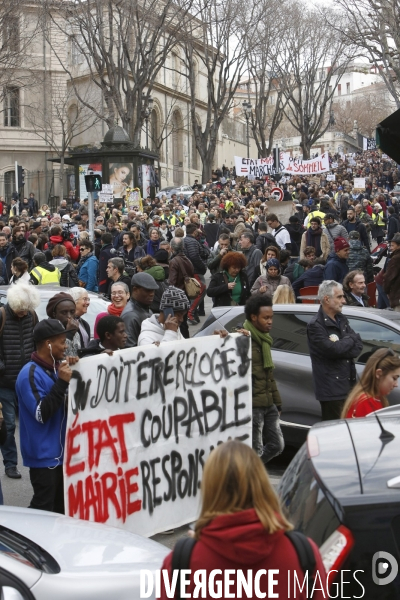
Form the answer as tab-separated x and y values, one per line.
88	267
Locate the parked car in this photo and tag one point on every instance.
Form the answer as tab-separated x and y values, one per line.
342	489
45	556
97	303
290	353
186	190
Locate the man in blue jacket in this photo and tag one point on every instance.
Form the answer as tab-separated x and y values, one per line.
41	389
336	267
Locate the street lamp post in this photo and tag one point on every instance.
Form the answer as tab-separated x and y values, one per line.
247	108
148	102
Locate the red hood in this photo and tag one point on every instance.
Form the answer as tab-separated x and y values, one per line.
56	239
240	537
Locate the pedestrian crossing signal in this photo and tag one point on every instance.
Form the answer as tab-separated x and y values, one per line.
93	183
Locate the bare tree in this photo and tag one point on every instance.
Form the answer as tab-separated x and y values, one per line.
311	65
263	53
16	59
368	110
216	42
65	119
374	26
123	44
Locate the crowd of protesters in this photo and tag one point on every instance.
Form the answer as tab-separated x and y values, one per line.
147	263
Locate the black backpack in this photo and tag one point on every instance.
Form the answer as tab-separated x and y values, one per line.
184	548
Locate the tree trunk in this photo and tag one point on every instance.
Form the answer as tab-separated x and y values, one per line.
61	176
306	148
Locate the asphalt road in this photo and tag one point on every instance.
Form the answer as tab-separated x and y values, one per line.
18	492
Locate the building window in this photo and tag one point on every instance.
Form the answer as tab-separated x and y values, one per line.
77	56
347	88
339	89
9	185
11	107
11	34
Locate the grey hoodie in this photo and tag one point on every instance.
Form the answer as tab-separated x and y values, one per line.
334	231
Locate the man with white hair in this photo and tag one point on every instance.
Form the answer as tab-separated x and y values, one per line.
17	321
333	346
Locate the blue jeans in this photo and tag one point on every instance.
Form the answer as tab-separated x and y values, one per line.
266	426
8	400
383	300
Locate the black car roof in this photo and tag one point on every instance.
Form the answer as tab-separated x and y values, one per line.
355	461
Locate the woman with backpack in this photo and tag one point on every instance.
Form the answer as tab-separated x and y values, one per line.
241	526
69	278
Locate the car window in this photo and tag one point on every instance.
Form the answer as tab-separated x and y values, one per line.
374	336
289	331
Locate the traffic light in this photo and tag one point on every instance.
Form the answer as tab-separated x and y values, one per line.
277	154
21	177
93	183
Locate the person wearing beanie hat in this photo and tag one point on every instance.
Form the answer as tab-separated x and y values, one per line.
162	328
138	309
267	284
336	267
62	307
41	388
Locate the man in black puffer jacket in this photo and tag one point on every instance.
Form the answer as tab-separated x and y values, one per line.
17	320
197	254
19	247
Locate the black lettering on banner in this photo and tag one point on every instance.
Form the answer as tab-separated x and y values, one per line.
81	394
193	473
194	416
112	374
203	357
224	424
147	501
210	408
217	367
167	495
178	417
147	415
242	350
167	433
225	363
167	369
179	371
157	500
101	381
128	372
156	422
156	382
140	378
176	465
239	406
183	477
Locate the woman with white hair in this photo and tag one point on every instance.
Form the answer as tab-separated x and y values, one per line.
17	321
82	301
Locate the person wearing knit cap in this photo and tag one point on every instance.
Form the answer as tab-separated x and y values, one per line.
336	267
164	327
62	307
267	284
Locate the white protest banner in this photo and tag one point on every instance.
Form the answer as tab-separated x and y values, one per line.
106	194
331	177
335	165
359	183
320	164
141	424
257	167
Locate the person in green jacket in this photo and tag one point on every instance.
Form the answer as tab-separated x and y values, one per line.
267	403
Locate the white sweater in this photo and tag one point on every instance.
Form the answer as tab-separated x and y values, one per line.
152	331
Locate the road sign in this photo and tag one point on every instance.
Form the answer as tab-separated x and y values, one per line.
277	191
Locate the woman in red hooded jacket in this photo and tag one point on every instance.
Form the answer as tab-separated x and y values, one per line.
241	527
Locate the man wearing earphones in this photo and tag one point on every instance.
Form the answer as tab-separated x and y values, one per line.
41	389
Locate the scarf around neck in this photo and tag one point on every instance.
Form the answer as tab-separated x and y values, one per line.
264	340
115	311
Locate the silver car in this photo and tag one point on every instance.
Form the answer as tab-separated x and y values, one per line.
45	556
290	353
186	190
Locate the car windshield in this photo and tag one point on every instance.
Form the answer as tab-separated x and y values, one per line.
24	550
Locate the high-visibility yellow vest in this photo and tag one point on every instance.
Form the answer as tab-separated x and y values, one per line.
378	219
315	213
45	277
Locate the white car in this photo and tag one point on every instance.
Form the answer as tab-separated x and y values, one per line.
186	190
45	556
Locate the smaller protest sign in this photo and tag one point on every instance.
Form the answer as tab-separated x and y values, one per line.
106	194
334	165
359	183
331	177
